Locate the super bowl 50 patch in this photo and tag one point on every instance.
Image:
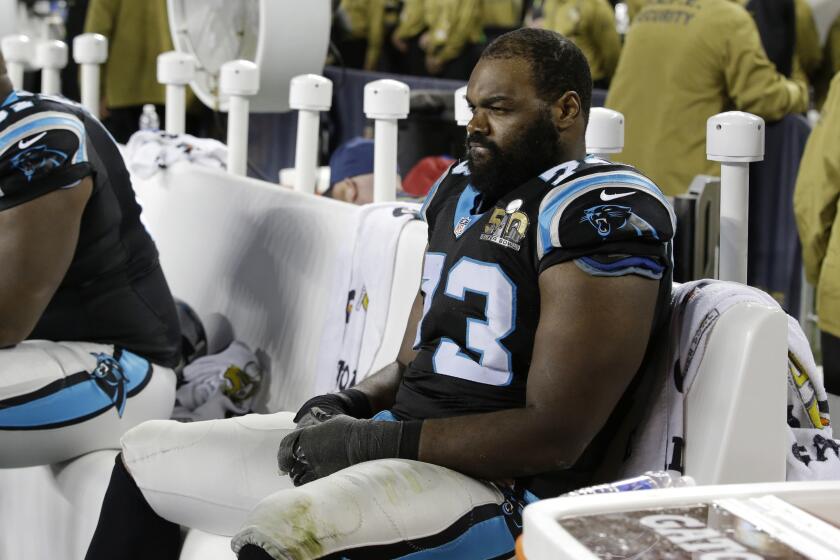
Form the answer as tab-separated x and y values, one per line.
507	226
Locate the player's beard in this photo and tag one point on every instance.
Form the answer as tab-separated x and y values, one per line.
501	171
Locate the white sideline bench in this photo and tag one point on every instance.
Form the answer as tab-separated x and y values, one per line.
263	256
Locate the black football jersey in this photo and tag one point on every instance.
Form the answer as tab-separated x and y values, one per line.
114	290
480	278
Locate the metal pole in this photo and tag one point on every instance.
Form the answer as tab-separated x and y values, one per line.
50	81
175	109
734	220
306	151
237	139
15	70
385	161
90	88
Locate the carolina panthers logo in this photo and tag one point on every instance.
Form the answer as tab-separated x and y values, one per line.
38	158
607	218
110	377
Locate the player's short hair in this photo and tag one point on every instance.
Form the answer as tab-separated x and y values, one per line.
557	64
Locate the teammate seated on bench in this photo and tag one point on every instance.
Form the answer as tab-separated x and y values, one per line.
80	274
546	274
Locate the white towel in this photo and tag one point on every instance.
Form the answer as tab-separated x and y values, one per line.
219	385
147	152
812	455
356	317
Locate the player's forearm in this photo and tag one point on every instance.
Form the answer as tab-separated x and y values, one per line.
499	445
381	387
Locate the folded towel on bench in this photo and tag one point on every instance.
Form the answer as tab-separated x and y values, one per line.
147	152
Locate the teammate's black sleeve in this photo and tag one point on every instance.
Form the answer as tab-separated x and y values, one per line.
611	224
40	153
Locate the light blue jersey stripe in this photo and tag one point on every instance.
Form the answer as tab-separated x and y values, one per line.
488	539
45	123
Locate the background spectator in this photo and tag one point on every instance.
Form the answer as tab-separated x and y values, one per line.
137	33
445	34
815	202
709	58
351	172
590	24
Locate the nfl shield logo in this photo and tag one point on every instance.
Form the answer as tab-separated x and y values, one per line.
462	225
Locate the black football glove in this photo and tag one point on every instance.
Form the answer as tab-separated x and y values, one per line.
316	451
350	402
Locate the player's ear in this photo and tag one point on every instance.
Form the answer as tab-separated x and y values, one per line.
565	110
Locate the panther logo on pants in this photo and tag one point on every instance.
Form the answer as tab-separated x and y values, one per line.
110	378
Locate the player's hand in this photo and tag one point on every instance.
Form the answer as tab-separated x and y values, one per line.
317	451
316	410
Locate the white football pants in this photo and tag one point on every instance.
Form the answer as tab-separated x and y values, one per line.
221	476
59	400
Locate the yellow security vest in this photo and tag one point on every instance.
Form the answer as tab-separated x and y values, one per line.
816	203
591	25
137	32
680	65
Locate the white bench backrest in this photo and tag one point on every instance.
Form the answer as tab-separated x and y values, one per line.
259	254
735	422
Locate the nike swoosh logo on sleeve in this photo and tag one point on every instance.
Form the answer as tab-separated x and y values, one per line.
607	197
23	144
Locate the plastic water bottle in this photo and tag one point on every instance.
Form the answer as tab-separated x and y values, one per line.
149	118
648	481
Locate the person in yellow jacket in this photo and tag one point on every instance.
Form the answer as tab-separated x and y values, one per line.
137	33
448	32
590	24
816	203
807	44
681	64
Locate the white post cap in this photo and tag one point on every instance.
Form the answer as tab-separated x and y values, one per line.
175	68
51	54
310	92
386	99
17	48
605	132
239	77
735	136
463	115
90	48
